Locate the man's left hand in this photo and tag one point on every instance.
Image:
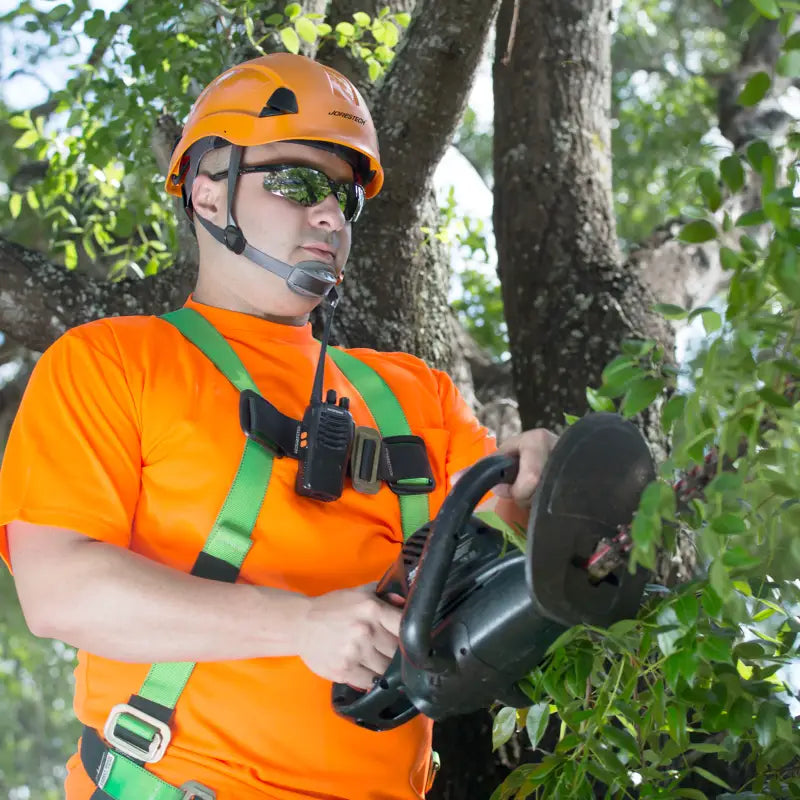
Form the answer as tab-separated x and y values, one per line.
533	447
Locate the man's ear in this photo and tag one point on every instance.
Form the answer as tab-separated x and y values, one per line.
208	199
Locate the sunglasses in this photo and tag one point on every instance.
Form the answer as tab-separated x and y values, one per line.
306	186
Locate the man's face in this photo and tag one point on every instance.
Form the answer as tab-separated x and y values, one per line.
281	227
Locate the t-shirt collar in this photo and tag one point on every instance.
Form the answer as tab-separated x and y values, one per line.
229	322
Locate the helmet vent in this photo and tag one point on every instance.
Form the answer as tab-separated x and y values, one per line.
281	101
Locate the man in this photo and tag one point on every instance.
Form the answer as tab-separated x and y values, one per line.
128	443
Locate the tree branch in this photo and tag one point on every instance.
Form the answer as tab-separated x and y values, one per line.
441	49
40	300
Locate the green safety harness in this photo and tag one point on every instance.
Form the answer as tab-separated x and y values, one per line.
138	731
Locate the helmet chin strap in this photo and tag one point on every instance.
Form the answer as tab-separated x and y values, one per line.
308	278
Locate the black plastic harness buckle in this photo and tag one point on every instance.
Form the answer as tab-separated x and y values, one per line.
263	423
408	470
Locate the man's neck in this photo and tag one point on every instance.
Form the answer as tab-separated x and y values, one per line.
231	302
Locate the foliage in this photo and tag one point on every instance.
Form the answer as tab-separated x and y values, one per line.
479	306
666	58
690	700
39	727
101	195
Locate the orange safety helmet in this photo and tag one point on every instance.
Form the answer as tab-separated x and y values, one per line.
275	98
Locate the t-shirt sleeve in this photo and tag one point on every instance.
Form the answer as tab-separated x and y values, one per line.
469	440
73	457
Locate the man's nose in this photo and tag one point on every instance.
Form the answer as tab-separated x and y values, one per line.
328	214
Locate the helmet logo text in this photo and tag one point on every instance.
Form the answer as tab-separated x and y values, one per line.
346	115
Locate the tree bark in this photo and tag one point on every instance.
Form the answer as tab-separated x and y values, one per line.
396	292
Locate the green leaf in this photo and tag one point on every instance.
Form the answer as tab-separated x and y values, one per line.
712	321
699	770
700	230
673	409
70	255
766	724
712	602
21	122
687	608
715	648
732	172
707	181
767	8
670	631
379	31
789	64
720	582
536	724
729	258
94	26
290	40
766	613
293	10
725	482
758	152
756	217
505	722
391	35
787	276
375	69
740	715
773	398
27	139
621	740
403	19
362	19
346	29
739	558
793	42
640	394
15	204
564	639
670	311
597	402
676	722
323	29
756	87
306	29
273	20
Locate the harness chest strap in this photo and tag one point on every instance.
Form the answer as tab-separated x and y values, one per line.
139	730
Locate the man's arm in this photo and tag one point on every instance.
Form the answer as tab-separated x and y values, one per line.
119	605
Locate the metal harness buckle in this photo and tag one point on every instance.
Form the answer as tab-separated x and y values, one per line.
157	747
365	460
193	790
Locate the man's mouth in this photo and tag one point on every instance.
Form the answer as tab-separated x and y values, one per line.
321	254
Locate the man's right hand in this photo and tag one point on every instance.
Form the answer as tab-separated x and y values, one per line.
350	636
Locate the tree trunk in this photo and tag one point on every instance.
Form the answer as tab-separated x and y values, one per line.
568	300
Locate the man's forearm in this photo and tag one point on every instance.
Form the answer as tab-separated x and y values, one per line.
120	605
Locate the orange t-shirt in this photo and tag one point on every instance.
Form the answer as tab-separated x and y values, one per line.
128	434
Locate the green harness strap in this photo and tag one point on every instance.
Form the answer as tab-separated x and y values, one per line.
230	541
